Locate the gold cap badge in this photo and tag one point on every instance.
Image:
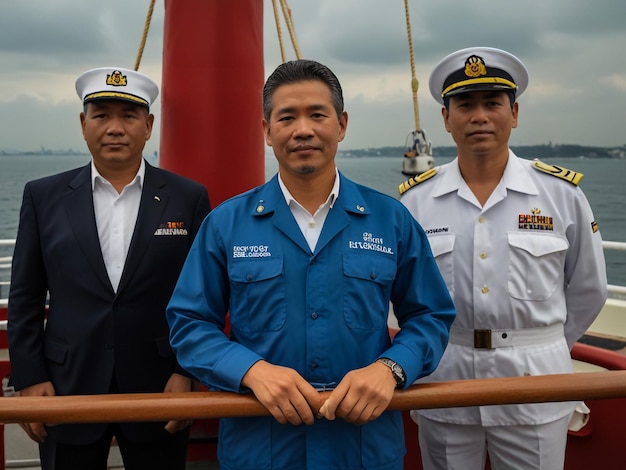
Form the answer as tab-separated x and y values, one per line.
116	79
475	66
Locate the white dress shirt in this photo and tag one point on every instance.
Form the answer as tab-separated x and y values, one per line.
116	215
311	225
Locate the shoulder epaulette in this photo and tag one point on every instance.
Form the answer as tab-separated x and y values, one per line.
415	180
558	171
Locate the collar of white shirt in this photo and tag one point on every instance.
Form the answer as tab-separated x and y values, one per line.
332	197
139	177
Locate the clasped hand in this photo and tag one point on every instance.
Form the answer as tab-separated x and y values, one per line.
361	396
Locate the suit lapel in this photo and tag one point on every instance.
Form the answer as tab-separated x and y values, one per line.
154	199
79	206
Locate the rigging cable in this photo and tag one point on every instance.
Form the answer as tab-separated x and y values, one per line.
279	32
144	36
414	82
290	27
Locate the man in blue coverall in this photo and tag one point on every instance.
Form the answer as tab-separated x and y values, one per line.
307	264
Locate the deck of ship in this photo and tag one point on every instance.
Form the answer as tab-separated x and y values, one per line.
607	332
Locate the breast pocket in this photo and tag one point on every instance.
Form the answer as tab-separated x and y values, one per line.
368	281
257	298
536	264
442	247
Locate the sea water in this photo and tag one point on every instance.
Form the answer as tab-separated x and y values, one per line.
603	184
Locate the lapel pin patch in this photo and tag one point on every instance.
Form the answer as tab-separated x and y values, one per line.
172	228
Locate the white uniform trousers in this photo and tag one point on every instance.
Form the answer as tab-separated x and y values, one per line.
449	446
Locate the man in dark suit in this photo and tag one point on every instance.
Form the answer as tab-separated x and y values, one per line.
106	242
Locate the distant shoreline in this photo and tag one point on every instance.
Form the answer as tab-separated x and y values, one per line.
50	153
526	151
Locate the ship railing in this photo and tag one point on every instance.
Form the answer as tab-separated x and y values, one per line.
211	405
5	268
595	386
615	246
6	248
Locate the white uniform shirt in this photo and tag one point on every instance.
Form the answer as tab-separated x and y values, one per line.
116	215
530	258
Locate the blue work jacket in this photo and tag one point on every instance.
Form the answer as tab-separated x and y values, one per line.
322	313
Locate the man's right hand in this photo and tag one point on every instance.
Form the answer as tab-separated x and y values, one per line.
284	392
36	431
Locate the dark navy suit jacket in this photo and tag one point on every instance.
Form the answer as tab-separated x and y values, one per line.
94	335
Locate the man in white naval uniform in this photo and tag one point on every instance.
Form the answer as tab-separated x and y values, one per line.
518	246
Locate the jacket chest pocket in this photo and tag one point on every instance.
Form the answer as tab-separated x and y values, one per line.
368	280
257	297
536	264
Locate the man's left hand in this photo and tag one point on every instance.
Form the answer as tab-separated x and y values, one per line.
362	396
178	384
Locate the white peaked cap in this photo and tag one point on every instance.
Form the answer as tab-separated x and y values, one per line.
115	83
477	69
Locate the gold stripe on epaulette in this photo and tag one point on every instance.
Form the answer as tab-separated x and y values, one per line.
558	171
415	180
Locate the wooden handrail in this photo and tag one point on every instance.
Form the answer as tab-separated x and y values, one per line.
204	405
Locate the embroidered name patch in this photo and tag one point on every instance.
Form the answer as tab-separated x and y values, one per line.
436	230
535	221
172	228
370	242
251	251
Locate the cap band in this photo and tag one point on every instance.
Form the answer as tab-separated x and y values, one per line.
114	95
478	81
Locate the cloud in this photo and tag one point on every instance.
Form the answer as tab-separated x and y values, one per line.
572	48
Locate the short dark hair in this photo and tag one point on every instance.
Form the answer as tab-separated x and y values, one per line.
299	71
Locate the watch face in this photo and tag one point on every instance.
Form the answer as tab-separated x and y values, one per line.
399	374
396	370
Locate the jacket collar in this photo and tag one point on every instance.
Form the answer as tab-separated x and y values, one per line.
516	177
270	197
271	202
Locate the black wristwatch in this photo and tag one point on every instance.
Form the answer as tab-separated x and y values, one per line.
396	370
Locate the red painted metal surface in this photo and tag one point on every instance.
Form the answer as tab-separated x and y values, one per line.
600	445
211	91
211	95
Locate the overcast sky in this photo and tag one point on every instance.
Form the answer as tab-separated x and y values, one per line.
574	50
